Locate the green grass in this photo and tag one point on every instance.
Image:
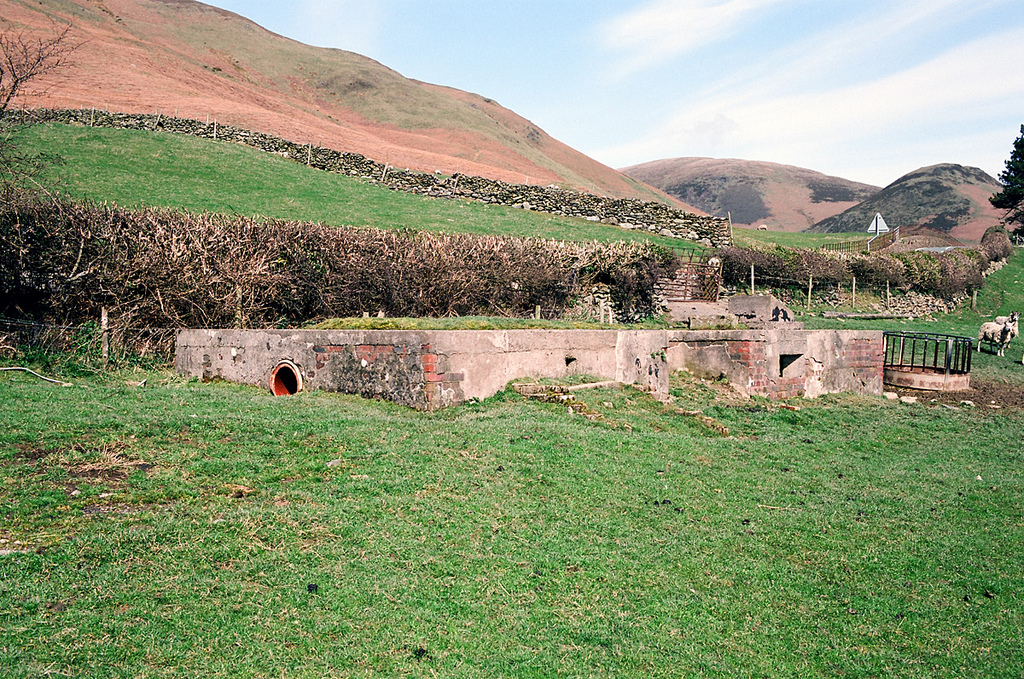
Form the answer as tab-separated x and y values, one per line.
157	169
174	529
749	237
473	323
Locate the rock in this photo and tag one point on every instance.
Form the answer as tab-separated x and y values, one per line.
892	395
909	400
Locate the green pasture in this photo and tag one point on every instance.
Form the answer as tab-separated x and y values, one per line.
180	528
156	169
152	526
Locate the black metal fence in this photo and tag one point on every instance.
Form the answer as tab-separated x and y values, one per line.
928	352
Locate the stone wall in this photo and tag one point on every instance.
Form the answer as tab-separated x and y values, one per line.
422	369
430	369
781	362
627	213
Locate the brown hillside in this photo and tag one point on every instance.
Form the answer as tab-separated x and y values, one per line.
948	199
184	58
783	197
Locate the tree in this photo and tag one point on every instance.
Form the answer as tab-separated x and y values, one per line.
1011	198
24	58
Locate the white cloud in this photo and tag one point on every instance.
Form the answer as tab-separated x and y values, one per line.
664	29
954	96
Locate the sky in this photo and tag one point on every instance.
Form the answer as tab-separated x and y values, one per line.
867	90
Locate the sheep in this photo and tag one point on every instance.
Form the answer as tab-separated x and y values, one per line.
999	334
1012	319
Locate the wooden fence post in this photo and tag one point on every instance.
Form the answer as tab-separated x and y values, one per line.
810	287
104	335
751	279
854	292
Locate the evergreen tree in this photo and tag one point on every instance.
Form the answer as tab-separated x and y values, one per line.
1011	198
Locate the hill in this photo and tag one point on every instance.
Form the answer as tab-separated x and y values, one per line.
783	197
947	198
184	58
136	169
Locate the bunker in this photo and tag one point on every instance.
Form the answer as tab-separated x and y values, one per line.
431	369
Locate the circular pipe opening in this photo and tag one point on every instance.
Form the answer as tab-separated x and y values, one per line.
285	379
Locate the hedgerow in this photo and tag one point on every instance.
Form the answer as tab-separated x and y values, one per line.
945	274
162	268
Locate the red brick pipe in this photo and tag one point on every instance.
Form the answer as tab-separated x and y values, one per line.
285	379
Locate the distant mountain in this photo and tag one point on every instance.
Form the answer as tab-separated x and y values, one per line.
947	198
185	58
783	197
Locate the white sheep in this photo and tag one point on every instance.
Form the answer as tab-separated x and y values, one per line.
999	334
1013	320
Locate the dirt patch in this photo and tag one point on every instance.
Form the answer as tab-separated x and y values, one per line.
983	394
27	452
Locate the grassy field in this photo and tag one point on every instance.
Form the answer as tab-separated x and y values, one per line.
748	237
156	169
213	530
179	528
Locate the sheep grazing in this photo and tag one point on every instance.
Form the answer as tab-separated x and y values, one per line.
999	333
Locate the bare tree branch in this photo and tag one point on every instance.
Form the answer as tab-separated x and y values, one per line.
25	57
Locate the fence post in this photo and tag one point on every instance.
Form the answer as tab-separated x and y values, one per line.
888	296
751	279
536	312
974	301
854	292
810	287
104	335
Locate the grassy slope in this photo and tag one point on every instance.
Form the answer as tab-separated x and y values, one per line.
506	538
155	169
748	237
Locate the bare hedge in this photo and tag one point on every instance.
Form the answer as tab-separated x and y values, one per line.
159	268
945	274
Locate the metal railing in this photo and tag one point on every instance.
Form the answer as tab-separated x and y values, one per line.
928	352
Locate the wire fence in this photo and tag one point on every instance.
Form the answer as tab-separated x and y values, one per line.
89	341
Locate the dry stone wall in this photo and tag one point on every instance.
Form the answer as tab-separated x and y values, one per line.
624	212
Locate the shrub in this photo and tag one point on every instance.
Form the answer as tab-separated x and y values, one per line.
736	263
824	266
170	268
996	243
878	269
961	272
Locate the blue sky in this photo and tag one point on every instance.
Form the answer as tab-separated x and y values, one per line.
863	89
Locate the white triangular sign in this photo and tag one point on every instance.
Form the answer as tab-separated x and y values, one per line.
878	225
